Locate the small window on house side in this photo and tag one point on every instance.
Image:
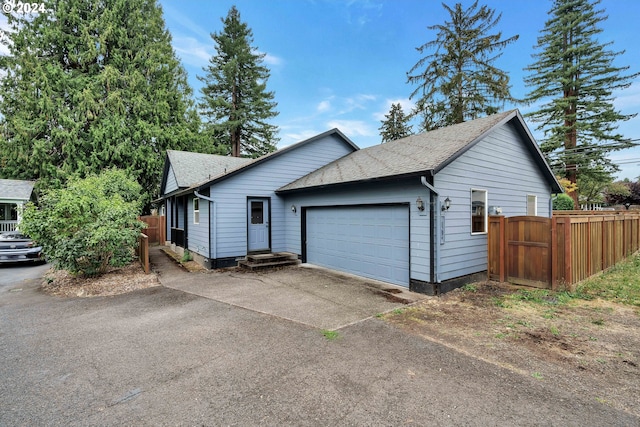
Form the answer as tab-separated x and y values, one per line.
532	205
196	211
478	211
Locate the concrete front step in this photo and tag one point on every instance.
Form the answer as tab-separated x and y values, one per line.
270	260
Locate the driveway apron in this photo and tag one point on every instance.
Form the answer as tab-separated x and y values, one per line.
309	295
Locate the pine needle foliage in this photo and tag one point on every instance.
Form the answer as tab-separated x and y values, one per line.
92	85
457	79
396	124
573	78
235	102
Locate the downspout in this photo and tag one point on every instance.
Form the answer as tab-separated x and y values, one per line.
433	200
212	221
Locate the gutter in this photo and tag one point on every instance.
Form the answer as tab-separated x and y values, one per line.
433	202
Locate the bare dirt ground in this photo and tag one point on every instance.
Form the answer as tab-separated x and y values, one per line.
591	348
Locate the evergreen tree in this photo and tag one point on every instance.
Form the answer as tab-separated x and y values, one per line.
574	75
458	80
92	85
235	100
396	125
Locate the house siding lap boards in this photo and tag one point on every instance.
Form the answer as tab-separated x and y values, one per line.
229	233
502	165
199	233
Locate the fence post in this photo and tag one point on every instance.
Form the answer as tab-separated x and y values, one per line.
504	253
568	258
554	252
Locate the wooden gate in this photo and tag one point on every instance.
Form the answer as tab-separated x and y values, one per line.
155	228
529	251
560	251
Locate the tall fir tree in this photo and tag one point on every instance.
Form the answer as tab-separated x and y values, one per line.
396	124
92	85
235	102
458	80
575	77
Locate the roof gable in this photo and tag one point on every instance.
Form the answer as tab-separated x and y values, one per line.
191	168
267	157
15	189
416	154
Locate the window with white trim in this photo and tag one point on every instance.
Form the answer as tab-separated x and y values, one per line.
479	217
532	205
196	210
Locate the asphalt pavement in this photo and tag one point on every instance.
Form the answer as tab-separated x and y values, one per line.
166	357
14	273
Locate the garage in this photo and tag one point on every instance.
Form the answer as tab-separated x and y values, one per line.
367	240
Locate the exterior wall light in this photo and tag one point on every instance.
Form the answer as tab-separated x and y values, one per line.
419	204
293	208
447	204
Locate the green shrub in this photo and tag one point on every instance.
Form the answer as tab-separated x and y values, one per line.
563	202
89	225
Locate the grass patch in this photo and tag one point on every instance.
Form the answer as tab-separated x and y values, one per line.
620	284
470	288
537	375
330	335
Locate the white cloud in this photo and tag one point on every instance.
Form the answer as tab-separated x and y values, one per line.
293	137
357	102
192	51
272	60
187	24
629	98
323	106
353	128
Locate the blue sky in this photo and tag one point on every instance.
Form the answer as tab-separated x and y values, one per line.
341	63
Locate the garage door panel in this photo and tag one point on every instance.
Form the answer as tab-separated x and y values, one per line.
371	241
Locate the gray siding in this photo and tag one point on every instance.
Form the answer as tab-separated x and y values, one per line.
172	183
371	194
502	165
229	235
198	233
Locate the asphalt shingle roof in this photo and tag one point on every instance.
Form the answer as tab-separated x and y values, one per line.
16	189
191	168
414	154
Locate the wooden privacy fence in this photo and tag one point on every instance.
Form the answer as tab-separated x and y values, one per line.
156	228
562	250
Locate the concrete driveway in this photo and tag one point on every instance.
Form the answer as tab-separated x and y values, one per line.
309	295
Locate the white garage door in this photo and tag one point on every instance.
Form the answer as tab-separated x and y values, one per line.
370	241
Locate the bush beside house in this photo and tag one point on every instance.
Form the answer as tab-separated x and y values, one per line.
89	225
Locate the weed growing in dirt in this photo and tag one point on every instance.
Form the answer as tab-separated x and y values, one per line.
330	335
470	288
537	375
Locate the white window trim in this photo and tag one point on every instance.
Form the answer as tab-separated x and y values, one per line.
196	212
535	204
486	212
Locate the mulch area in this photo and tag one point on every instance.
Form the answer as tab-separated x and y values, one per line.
116	281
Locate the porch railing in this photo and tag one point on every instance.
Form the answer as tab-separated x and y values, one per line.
8	225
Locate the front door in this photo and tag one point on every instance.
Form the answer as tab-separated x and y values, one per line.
258	224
